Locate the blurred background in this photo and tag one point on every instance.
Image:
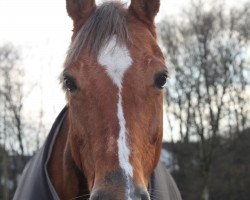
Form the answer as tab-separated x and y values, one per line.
207	111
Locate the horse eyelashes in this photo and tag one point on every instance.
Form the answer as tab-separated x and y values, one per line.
160	80
69	83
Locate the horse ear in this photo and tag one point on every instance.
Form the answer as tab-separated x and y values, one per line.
145	10
80	10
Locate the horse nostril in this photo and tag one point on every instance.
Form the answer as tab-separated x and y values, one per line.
102	195
95	196
144	195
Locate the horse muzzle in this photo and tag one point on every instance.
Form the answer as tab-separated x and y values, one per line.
117	185
120	194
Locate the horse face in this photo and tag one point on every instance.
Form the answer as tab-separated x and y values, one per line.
114	91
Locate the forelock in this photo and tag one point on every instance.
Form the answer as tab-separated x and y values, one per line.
107	21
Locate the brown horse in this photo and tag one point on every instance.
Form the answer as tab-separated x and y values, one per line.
114	75
110	139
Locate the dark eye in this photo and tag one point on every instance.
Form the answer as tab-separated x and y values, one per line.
69	83
160	80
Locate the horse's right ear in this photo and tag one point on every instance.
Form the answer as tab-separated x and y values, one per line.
80	10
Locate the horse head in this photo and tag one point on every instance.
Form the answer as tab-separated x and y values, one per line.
113	77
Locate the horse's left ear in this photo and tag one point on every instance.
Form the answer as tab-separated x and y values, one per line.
80	10
145	10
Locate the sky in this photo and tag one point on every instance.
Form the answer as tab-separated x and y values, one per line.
41	31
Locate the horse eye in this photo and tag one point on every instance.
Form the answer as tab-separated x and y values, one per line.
69	83
160	80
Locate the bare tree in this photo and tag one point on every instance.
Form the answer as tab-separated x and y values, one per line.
19	137
208	91
11	119
12	97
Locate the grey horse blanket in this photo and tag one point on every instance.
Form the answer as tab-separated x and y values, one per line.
35	184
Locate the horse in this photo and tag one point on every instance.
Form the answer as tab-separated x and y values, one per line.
106	143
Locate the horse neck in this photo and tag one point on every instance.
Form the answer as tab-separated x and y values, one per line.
67	179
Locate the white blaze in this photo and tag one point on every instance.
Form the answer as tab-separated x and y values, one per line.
116	60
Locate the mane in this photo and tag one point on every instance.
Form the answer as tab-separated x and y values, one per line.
108	20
